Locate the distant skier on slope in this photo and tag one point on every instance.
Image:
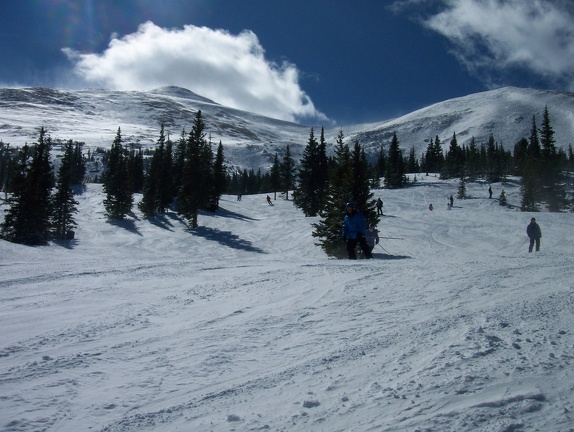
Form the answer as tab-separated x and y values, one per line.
380	207
354	232
534	233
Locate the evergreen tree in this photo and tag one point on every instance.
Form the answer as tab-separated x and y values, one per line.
136	170
287	173
77	164
360	184
313	177
194	191
116	181
219	176
454	160
151	199
551	177
434	158
63	203
275	176
461	188
472	166
520	155
412	163
380	165
28	218
394	176
328	229
349	181
529	189
165	177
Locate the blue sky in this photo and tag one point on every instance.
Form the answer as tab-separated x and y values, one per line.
318	62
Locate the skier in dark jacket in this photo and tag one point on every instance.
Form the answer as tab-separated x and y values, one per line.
354	232
534	233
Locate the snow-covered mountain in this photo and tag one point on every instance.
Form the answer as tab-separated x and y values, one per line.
251	140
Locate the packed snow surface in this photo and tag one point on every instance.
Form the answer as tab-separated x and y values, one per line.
243	324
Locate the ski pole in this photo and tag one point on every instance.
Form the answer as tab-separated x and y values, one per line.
388	253
392	238
521	244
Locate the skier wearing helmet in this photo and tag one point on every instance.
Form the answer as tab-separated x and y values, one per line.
354	231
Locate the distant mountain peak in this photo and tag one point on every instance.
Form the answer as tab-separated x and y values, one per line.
180	92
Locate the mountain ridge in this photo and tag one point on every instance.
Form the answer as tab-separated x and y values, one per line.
251	140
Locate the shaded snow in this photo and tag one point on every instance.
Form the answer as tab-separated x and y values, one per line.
243	324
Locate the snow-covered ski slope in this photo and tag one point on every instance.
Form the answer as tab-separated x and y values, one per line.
244	325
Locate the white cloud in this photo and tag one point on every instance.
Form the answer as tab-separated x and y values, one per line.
498	35
230	69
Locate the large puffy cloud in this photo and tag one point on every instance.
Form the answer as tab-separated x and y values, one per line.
491	36
229	69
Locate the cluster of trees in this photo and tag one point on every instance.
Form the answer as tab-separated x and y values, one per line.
40	207
188	176
325	185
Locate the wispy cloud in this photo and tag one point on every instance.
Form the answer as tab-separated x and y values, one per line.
230	69
492	37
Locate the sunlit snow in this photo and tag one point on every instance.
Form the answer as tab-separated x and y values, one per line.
243	324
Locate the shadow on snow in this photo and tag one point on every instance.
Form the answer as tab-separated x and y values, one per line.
226	238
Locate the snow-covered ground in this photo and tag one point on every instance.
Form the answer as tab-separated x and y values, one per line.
244	325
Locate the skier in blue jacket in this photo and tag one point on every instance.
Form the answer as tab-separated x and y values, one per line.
354	231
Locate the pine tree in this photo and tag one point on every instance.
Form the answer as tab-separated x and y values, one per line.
380	165
116	181
360	184
78	165
394	176
194	191
551	177
275	176
63	203
529	185
287	173
461	188
349	181
157	190
472	161
412	163
313	177
219	177
454	160
28	218
329	229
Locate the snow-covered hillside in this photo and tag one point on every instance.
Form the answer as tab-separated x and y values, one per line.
506	113
250	140
243	324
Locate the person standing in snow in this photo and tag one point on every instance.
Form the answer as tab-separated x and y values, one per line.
372	236
451	200
380	207
489	192
534	233
354	232
269	200
430	207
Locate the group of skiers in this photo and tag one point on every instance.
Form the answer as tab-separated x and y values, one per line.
355	233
